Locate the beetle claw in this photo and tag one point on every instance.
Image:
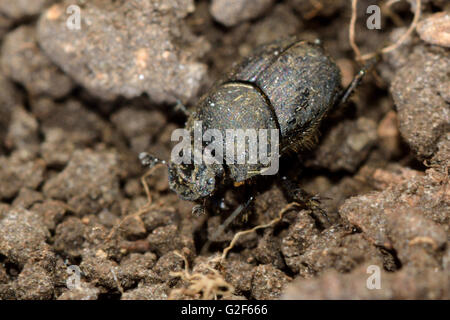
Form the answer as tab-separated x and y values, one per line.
148	160
198	210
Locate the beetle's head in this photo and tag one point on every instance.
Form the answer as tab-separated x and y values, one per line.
194	181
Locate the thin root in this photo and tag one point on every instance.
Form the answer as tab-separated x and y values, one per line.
318	6
145	208
389	48
236	237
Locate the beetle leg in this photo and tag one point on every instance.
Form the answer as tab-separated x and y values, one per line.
297	194
357	80
227	222
199	210
232	216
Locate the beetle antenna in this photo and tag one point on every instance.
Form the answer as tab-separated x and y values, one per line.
150	161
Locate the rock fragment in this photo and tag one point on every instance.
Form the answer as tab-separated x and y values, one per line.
420	91
22	237
127	48
268	282
20	171
411	216
346	146
435	29
23	61
89	183
405	284
233	12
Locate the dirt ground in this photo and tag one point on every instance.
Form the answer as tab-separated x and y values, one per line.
78	106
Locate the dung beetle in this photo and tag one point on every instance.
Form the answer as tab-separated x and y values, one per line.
288	85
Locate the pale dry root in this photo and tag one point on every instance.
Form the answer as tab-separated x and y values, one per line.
145	208
209	286
236	237
318	6
363	57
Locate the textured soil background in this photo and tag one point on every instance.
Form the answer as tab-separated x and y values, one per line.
78	106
